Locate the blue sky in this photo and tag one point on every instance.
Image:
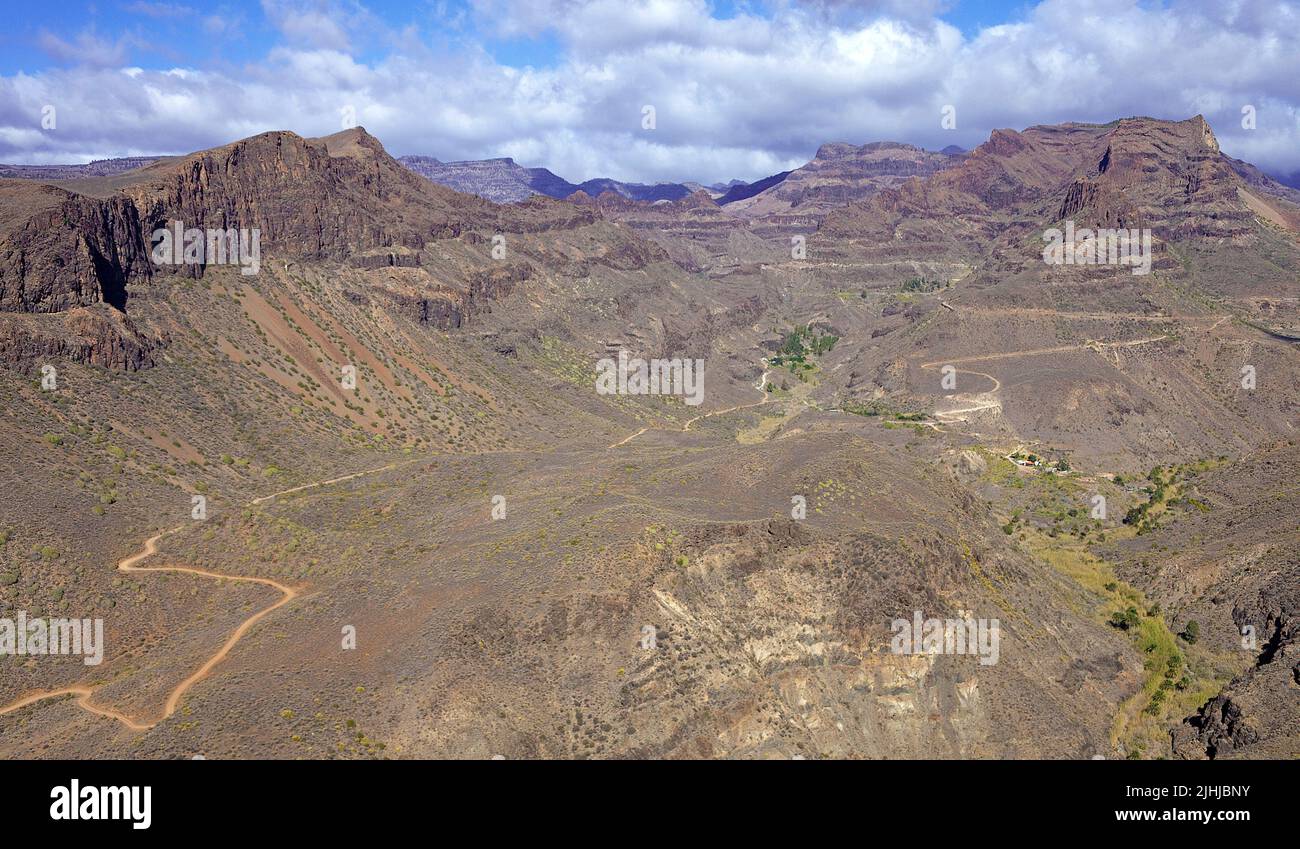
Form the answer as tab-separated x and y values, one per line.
742	88
159	34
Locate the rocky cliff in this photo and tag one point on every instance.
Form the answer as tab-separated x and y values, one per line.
339	199
838	175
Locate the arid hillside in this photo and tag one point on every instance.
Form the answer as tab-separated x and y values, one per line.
358	492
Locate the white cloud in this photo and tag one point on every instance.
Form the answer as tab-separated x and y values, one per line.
158	10
741	97
87	49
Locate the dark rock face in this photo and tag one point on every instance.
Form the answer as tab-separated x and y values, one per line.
1168	176
1259	705
694	334
497	283
1217	729
65	263
75	251
448	308
313	199
98	335
338	199
385	260
1256	178
1247	582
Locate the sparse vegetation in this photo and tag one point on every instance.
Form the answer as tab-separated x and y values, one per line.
922	284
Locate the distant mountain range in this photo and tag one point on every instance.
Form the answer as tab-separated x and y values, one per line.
504	181
741	191
98	168
839	174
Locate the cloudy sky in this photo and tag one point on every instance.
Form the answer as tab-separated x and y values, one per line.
740	89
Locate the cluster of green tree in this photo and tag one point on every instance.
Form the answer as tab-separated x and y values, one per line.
1126	620
800	344
804	341
869	409
1175	678
1140	515
872	409
922	284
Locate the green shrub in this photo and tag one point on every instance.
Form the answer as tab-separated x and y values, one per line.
1127	620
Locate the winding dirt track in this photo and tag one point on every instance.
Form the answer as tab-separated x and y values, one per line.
982	401
149	549
758	388
988	400
1090	344
288	593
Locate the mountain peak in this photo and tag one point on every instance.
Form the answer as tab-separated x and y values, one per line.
352	142
840	150
839	174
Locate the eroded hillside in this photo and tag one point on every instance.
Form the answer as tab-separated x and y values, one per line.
394	430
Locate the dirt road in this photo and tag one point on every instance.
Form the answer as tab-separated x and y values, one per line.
989	400
762	381
150	548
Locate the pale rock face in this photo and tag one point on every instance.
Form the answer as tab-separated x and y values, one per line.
970	463
1208	135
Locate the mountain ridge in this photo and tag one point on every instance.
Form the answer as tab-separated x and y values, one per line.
397	414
